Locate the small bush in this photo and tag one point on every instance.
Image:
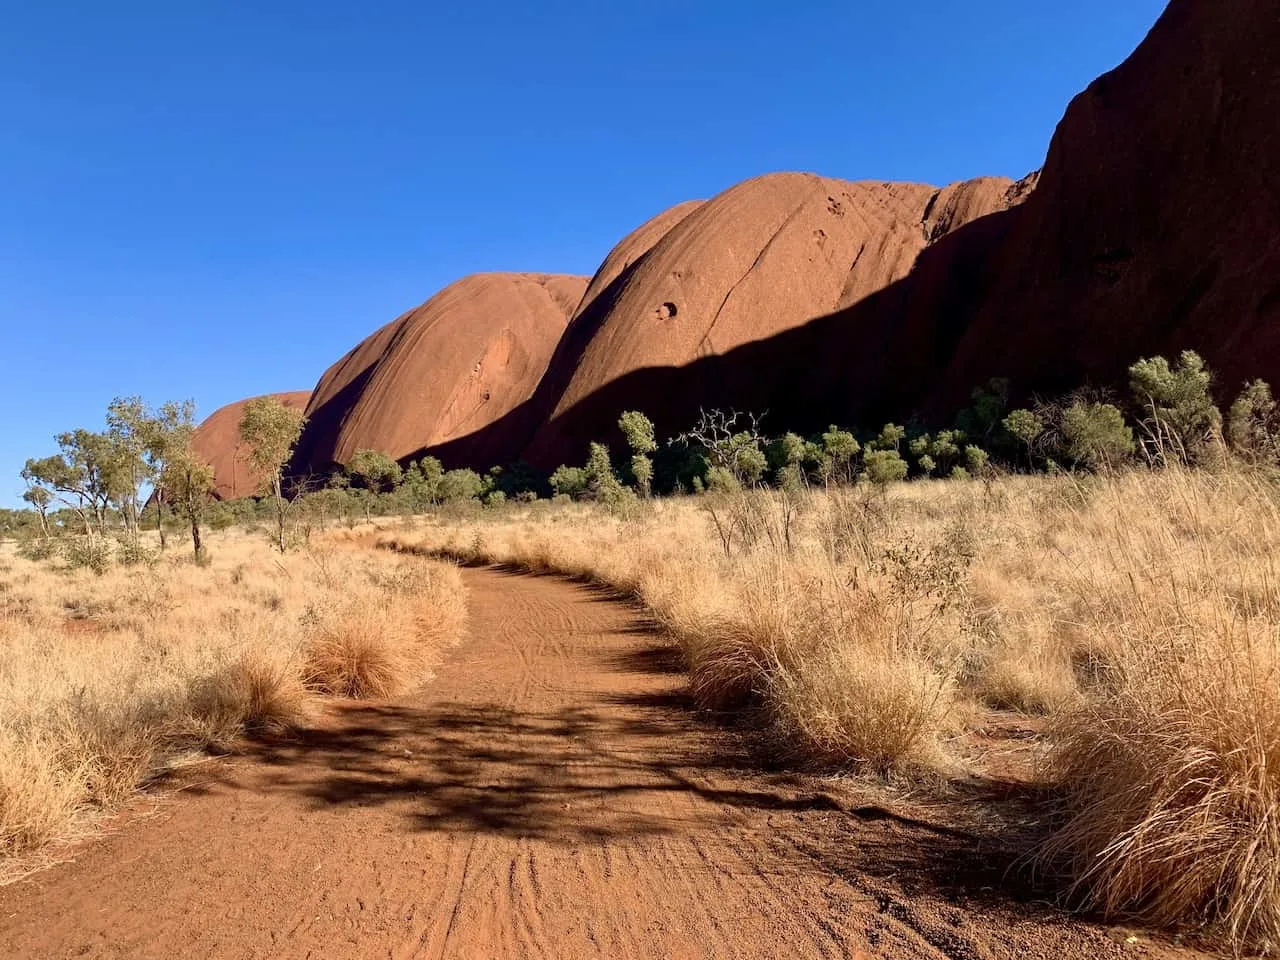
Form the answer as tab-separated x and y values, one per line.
131	553
88	553
40	548
884	467
1096	435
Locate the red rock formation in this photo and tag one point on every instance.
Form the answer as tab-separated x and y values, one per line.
1156	223
438	376
217	442
764	257
1154	227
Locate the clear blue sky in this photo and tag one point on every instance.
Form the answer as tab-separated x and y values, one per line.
217	200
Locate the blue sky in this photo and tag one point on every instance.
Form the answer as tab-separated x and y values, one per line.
218	200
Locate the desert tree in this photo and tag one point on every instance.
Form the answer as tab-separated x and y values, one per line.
731	444
460	485
131	431
421	481
1026	427
83	475
639	433
376	470
601	482
186	481
40	498
270	430
839	447
882	467
166	433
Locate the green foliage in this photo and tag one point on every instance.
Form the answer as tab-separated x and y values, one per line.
638	431
839	447
749	461
88	553
976	460
1095	434
270	430
131	552
569	481
420	483
884	466
1024	426
495	498
642	470
602	483
722	480
726	445
39	548
460	485
989	404
788	450
375	470
926	464
1178	416
890	438
1253	424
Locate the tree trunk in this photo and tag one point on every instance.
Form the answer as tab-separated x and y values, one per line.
197	545
279	513
160	524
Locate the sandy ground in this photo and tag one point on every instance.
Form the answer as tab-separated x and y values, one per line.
549	794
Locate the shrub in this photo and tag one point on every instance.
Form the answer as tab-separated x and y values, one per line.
39	548
1095	434
1025	426
1253	424
569	481
460	485
1178	415
884	466
840	448
130	553
88	553
638	431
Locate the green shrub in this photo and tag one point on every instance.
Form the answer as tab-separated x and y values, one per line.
130	553
89	553
40	548
1176	408
569	481
1253	424
884	466
1095	434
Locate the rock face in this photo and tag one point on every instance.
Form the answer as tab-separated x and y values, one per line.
762	258
1156	223
435	378
217	442
1154	227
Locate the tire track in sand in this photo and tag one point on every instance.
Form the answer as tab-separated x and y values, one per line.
549	794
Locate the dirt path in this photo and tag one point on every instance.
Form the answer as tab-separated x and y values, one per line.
548	795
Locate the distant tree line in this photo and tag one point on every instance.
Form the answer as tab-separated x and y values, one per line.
142	471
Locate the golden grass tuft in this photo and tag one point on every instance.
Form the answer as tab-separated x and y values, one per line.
108	680
363	652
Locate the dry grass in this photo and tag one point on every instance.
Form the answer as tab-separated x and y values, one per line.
106	681
1140	614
